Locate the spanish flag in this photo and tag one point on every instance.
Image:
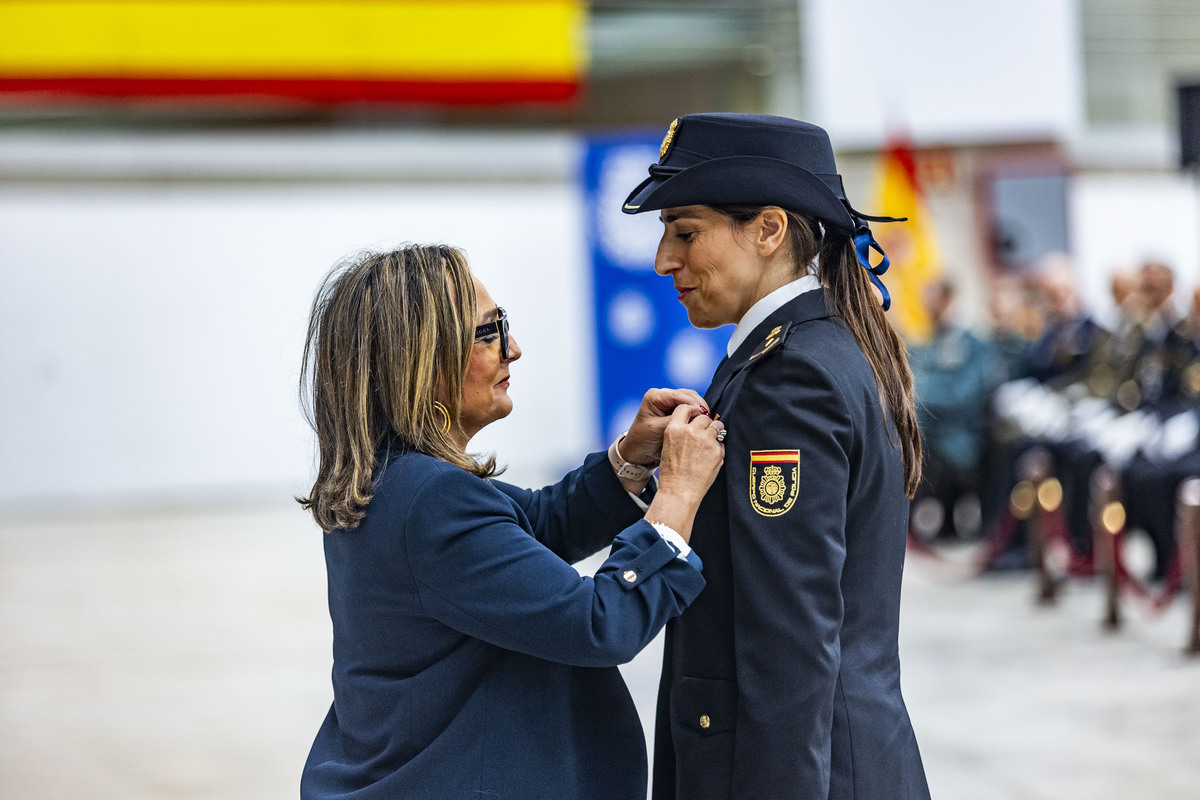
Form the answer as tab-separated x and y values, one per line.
911	246
322	51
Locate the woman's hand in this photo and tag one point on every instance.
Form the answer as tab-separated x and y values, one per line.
643	443
692	455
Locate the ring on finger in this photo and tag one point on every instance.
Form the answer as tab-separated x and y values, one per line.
721	435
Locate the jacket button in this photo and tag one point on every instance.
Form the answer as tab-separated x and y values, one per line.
630	576
705	722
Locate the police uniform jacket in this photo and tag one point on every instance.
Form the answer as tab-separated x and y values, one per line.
783	679
470	660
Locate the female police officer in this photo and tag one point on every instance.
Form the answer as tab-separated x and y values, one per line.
470	659
782	680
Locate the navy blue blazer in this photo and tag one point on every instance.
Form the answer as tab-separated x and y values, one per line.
470	660
783	679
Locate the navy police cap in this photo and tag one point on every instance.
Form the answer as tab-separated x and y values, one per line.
748	159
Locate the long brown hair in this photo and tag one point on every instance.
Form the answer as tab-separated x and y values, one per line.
389	334
851	297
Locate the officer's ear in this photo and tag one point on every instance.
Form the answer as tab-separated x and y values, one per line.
771	230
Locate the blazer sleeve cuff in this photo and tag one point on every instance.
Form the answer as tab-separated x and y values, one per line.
658	555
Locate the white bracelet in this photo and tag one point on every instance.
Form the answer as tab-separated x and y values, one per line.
627	469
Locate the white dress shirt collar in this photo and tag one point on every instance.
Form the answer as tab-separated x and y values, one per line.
768	305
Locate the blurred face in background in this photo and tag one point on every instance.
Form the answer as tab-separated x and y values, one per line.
938	297
1122	286
1157	284
1060	295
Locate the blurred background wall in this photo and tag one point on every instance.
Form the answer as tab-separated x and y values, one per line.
159	247
157	287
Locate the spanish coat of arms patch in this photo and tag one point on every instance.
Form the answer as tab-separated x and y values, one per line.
774	481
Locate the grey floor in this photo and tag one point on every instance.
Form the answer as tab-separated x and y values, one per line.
187	656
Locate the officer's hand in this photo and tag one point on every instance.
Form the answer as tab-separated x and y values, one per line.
692	455
644	443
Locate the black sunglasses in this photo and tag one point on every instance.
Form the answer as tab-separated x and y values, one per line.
500	328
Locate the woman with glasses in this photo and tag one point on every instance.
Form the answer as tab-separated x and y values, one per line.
470	659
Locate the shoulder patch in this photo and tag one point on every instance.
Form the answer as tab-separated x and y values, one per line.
774	481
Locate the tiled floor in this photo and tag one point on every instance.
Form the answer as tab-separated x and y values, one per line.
187	656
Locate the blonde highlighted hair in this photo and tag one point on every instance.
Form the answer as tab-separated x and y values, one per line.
389	334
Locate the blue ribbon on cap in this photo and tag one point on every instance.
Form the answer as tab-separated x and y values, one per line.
864	243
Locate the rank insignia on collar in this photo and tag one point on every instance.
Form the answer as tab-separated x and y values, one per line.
773	338
666	142
774	481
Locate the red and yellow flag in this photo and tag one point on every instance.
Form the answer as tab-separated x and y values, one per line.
912	246
329	51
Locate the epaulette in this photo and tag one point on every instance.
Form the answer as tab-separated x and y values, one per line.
770	344
733	384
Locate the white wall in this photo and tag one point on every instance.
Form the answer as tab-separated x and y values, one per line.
151	329
943	70
1119	220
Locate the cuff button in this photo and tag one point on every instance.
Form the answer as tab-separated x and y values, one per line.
629	575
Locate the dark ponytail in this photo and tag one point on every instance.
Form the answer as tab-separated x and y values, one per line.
852	299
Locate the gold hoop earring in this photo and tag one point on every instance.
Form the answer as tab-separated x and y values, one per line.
444	414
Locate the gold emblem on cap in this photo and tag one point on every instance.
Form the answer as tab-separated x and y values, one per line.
666	145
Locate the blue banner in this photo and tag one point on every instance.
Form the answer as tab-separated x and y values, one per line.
643	338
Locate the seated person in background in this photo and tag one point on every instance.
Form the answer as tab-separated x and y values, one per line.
1126	365
1157	286
1058	358
1060	353
952	377
1107	386
1016	323
1114	410
1150	481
